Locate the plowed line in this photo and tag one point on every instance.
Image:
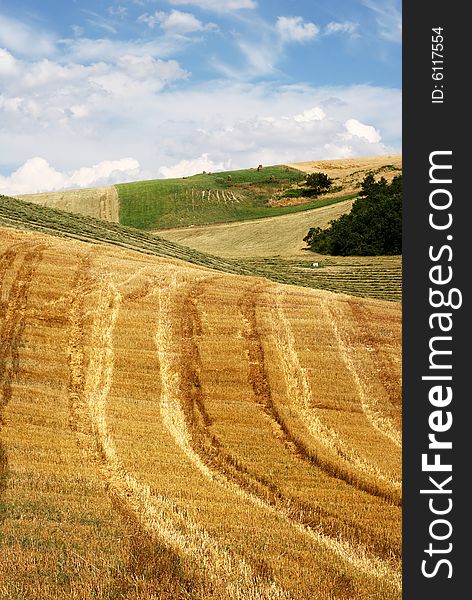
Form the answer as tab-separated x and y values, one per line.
299	393
298	389
390	382
202	448
155	514
13	325
13	313
174	415
371	408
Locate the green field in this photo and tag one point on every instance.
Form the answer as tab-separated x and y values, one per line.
210	198
375	277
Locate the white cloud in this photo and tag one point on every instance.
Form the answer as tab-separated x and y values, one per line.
8	64
37	175
295	29
185	168
176	22
360	130
49	93
22	39
78	115
347	27
309	115
388	16
217	5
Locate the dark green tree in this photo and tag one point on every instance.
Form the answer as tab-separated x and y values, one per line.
373	227
317	183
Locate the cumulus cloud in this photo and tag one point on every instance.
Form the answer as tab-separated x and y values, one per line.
360	130
295	29
37	175
309	115
130	107
185	168
176	22
218	5
51	93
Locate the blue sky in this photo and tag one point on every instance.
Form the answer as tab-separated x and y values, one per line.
94	92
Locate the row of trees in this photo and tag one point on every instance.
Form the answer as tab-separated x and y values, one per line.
373	227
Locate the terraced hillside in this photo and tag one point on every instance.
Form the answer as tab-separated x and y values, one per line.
376	277
175	432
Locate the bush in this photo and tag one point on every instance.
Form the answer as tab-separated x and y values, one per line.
373	227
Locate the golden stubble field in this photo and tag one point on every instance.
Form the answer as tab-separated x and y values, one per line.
348	173
100	202
171	432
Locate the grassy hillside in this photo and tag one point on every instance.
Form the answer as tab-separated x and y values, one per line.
176	433
376	278
203	199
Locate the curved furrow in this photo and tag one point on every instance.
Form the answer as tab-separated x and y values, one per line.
188	423
370	406
298	396
390	372
13	320
156	515
299	393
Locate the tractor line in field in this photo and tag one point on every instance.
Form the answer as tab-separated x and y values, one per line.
391	372
260	384
181	379
299	393
13	303
370	406
90	372
156	515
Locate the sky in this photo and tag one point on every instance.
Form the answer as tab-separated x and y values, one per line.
96	92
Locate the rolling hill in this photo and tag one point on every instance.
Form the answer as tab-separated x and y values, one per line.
376	277
172	431
217	197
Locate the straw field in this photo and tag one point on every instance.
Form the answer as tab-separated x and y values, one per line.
169	431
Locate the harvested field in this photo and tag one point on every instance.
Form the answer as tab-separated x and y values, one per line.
175	432
101	203
273	236
348	173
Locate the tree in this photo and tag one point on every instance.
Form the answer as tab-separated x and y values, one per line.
373	227
317	184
